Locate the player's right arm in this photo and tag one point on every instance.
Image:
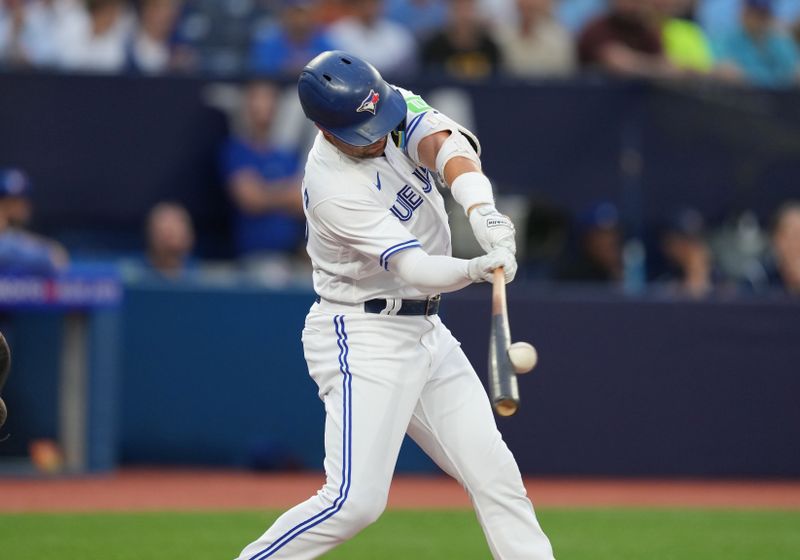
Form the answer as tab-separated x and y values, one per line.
437	142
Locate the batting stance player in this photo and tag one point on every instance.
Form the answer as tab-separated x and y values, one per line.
385	364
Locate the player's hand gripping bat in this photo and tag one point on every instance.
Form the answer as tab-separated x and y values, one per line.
506	360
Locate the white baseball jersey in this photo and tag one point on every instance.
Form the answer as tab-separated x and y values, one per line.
362	212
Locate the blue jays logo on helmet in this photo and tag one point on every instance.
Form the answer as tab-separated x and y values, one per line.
370	102
347	97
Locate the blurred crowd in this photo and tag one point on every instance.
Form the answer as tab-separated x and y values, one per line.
681	257
751	41
740	41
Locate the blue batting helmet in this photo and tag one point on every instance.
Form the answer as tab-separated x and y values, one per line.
347	97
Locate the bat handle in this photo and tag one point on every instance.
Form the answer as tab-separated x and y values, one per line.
499	276
499	306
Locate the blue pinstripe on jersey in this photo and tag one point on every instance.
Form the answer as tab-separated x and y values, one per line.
347	462
384	260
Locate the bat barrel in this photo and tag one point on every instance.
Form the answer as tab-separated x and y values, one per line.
503	386
506	407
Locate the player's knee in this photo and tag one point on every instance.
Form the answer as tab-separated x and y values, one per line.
503	478
362	511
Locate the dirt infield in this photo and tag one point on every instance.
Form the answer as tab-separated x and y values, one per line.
140	490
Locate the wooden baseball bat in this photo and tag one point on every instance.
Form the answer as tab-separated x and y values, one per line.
503	386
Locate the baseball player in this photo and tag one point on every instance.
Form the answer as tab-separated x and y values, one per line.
384	362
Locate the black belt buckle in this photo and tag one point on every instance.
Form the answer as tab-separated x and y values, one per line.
432	305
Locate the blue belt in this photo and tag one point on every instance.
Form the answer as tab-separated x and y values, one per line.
428	306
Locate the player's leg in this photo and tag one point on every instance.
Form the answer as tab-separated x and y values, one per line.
454	424
369	397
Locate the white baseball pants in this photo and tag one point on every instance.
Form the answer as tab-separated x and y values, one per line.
380	377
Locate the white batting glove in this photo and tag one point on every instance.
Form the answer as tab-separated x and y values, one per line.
481	269
492	229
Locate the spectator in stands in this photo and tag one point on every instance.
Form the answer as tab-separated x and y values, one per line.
29	30
463	49
22	252
215	35
422	17
626	41
285	47
170	241
536	45
150	50
796	32
575	14
13	50
720	17
688	255
389	46
263	183
571	14
786	248
600	247
329	11
759	52
97	42
48	20
685	43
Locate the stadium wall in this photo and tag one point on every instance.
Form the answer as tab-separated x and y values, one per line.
625	387
215	376
656	388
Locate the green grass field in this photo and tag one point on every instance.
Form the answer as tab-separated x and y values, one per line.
425	535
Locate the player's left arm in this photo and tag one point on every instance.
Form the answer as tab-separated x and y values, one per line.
456	159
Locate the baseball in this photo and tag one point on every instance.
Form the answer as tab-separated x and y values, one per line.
523	356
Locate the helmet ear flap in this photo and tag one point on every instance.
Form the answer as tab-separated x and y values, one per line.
347	97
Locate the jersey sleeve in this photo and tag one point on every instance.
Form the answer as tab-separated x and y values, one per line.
423	120
364	226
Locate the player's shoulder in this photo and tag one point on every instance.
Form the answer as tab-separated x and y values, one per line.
329	175
415	104
422	120
418	111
